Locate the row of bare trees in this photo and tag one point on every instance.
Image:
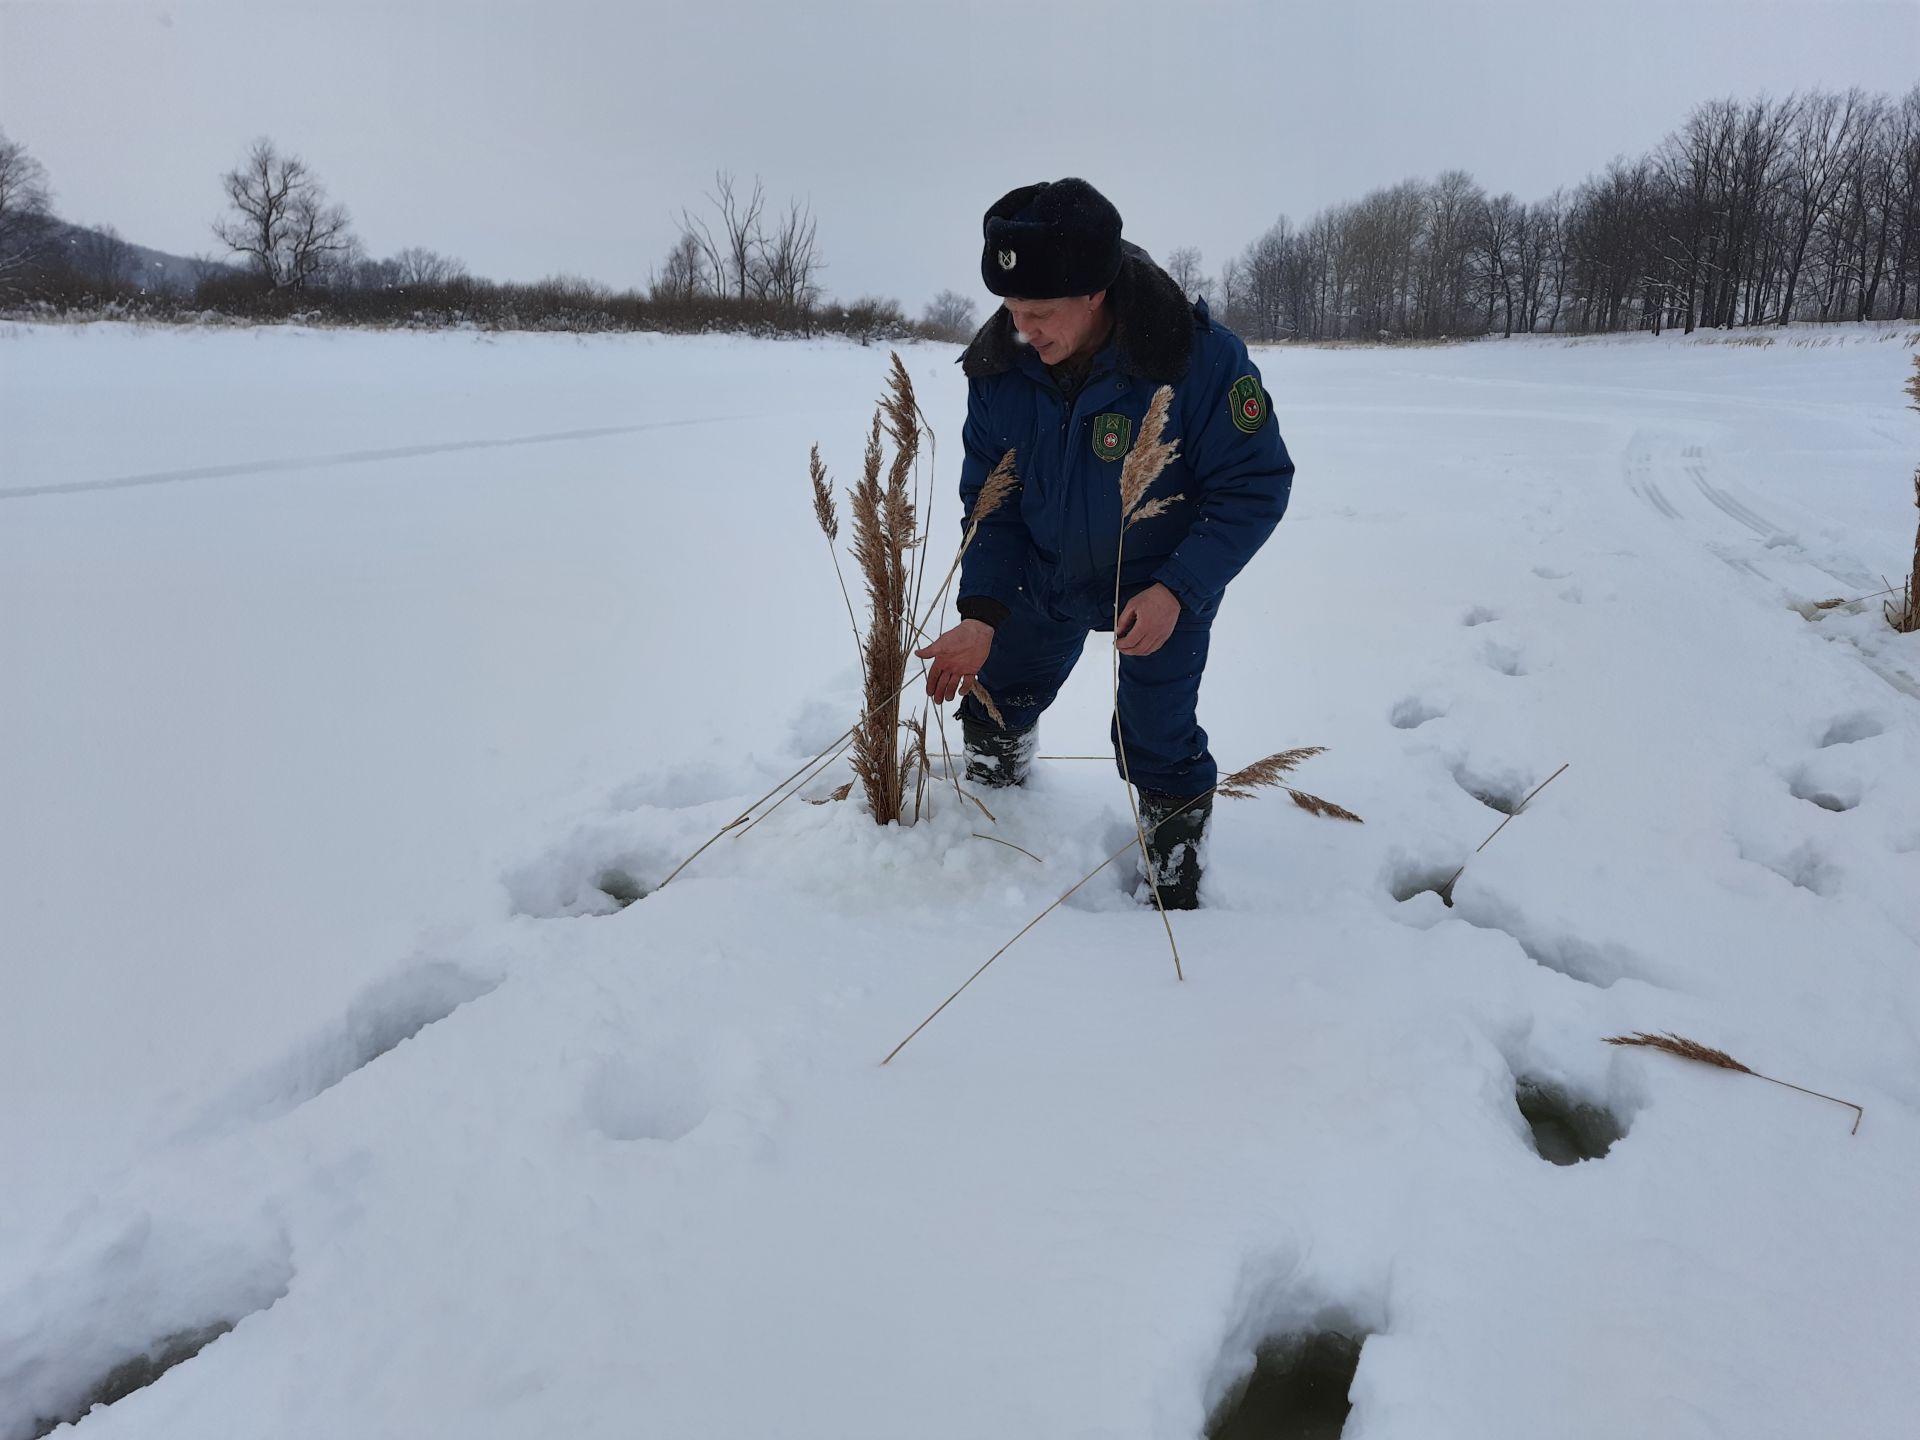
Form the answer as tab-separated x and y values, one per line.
1751	213
290	250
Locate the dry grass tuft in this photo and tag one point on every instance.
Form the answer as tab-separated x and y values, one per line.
1682	1048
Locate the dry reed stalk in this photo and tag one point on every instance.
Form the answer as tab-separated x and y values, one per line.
1240	785
1011	846
828	515
1685	1049
1149	456
1445	892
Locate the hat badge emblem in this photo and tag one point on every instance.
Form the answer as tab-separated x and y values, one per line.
1007	259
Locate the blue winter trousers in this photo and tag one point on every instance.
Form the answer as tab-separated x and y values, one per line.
1034	651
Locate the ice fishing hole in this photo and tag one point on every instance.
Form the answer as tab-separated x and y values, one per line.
136	1374
1413	712
1298	1390
1566	1130
620	887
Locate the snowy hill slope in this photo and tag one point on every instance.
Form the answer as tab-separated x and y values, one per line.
344	666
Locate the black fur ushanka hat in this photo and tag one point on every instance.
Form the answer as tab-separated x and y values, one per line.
1052	239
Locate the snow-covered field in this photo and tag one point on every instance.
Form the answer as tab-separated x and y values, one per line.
339	667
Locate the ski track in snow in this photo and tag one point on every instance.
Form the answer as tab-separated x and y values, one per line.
442	1130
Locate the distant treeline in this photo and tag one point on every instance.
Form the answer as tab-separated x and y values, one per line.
1751	213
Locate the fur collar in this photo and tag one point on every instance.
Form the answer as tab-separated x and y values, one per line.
1152	326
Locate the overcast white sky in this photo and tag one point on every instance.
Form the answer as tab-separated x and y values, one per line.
533	139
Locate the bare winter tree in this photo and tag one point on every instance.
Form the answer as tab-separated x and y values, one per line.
786	258
416	266
950	315
685	273
103	257
282	224
1183	265
25	211
730	255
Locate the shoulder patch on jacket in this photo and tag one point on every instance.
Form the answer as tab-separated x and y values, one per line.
1110	435
1247	403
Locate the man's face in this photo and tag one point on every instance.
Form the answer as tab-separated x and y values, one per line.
1058	328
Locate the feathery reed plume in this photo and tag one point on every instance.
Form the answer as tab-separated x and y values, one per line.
1241	784
1150	454
979	692
1245	783
1001	482
1153	509
824	509
1265	774
1149	457
1445	892
1685	1049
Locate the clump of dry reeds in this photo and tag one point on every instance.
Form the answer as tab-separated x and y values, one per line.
1242	784
1904	615
886	548
1685	1049
891	554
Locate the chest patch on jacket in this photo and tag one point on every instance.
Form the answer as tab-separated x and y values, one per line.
1110	435
1247	403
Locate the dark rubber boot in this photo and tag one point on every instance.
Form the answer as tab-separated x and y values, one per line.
1173	846
997	758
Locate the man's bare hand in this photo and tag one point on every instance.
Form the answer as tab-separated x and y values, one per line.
957	657
1147	621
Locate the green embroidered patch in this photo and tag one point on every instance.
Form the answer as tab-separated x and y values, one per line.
1247	403
1110	435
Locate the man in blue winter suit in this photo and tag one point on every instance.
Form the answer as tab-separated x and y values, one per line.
1062	375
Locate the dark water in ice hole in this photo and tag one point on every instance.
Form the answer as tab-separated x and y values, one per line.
137	1373
1565	1131
1298	1391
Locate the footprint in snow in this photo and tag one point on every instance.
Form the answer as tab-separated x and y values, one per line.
1851	728
1413	712
1479	615
1839	797
1500	789
1503	658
